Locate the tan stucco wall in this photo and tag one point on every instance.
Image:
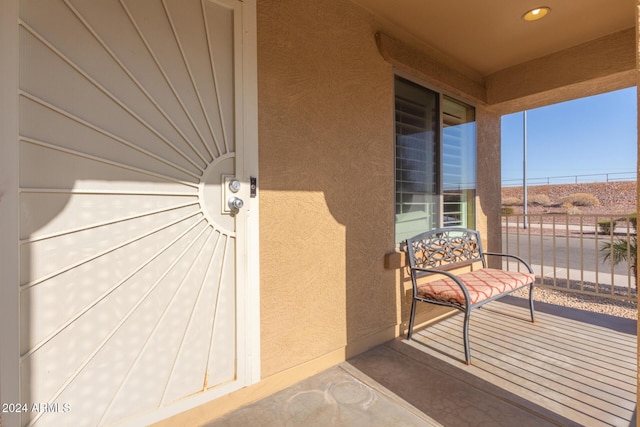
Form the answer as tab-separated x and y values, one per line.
327	171
327	180
598	66
489	179
326	167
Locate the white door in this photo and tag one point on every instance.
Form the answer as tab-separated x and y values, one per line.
133	293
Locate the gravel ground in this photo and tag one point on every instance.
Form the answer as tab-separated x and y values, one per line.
625	309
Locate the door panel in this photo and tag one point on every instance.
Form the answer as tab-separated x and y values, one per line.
128	264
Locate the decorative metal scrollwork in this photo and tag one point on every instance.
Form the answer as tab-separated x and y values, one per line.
444	248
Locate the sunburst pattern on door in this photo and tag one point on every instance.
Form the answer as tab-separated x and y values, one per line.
127	127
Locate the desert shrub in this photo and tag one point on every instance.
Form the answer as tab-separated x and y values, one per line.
580	199
607	227
511	201
507	210
570	209
538	199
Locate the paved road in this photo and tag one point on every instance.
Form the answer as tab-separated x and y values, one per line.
542	253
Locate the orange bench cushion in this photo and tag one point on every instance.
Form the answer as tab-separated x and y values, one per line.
481	285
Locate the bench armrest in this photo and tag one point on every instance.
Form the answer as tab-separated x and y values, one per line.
429	271
526	264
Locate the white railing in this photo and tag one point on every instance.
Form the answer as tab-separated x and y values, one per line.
573	252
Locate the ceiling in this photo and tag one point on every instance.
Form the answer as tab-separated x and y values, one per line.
490	35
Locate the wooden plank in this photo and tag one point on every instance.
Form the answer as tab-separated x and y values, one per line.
583	372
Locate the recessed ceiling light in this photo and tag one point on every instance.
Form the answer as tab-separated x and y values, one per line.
537	13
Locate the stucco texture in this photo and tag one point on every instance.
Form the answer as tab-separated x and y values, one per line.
488	196
326	170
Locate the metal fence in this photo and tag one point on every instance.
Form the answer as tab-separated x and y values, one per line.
573	179
588	254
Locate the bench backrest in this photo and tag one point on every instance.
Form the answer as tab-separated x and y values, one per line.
445	248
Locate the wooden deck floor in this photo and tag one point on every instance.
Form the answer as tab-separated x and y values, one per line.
574	369
570	368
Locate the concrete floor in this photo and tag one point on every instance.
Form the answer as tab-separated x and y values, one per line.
339	396
570	368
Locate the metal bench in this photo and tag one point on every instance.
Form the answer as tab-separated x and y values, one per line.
437	252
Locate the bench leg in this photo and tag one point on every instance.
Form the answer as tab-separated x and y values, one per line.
531	302
465	335
411	318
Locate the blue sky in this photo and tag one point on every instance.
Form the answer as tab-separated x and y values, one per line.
594	135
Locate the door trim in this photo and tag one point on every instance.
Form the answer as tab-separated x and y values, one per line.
250	158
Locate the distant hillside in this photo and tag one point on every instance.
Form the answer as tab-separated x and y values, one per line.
615	197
